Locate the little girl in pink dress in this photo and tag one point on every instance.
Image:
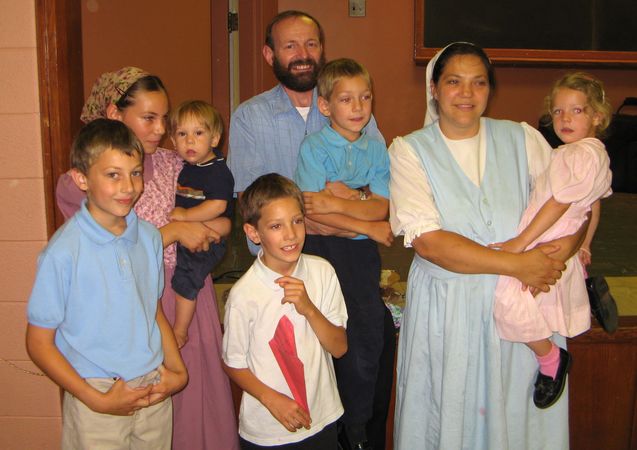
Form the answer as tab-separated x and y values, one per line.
562	197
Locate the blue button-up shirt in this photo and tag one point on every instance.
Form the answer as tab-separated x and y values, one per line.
266	133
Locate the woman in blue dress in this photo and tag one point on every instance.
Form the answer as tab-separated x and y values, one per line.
457	185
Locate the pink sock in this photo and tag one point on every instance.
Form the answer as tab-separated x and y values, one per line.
550	362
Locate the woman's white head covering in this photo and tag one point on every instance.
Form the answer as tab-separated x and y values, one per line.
431	115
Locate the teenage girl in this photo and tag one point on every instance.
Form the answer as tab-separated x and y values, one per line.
562	197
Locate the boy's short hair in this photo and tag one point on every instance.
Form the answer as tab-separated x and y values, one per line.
98	136
200	111
334	70
264	190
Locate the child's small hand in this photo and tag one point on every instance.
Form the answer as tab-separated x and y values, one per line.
181	336
341	190
319	202
380	231
169	383
294	292
585	256
123	400
512	246
291	415
178	213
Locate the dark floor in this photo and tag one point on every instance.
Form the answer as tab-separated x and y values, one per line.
614	247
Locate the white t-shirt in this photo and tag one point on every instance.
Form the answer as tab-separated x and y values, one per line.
252	314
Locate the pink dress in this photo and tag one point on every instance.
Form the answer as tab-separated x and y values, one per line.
579	174
203	413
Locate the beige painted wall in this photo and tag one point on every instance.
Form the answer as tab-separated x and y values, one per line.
29	405
383	42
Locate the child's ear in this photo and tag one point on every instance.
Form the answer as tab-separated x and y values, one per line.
597	119
113	113
79	179
215	140
252	233
323	106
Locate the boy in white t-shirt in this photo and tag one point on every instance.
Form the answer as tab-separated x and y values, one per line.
285	320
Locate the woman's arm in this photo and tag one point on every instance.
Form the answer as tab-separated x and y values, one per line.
536	268
195	236
206	210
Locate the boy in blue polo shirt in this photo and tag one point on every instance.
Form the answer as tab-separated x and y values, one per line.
96	326
344	176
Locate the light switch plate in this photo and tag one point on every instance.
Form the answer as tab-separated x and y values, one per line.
357	8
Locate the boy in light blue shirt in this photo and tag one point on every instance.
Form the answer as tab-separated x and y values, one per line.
344	176
96	326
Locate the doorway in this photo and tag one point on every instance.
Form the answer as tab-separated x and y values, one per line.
61	65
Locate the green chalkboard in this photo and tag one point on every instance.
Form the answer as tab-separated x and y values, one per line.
537	30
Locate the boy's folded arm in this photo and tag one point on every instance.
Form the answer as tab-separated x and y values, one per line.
206	210
375	207
119	400
379	230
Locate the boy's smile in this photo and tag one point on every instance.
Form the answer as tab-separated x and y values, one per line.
281	233
194	141
113	184
349	107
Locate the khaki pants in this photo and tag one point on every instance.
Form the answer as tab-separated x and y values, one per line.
149	428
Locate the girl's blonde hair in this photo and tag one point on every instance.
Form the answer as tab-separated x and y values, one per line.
592	88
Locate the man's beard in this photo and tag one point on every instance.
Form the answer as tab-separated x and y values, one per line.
298	82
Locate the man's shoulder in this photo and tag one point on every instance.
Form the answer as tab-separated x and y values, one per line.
260	102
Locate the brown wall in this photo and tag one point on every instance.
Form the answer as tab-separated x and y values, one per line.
165	37
29	404
383	42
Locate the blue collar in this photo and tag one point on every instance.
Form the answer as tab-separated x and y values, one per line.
336	140
98	234
283	104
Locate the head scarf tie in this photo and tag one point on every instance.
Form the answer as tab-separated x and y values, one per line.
109	89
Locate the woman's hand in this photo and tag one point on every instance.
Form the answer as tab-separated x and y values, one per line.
536	268
195	236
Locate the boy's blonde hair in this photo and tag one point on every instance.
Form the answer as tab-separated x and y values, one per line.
337	69
98	136
592	88
200	111
264	190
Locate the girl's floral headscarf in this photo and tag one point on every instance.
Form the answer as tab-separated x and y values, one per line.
109	88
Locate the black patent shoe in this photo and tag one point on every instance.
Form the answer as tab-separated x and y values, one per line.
548	390
603	304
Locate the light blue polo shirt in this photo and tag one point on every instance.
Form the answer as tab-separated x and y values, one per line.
100	292
328	156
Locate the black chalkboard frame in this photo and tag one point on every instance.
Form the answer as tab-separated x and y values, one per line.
536	57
